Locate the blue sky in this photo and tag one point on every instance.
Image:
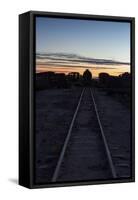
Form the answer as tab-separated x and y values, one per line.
82	38
98	39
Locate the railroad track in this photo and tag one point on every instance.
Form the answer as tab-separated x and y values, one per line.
85	153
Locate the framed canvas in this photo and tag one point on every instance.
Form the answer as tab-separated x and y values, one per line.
76	99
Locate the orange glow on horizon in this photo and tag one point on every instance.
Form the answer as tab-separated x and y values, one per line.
111	70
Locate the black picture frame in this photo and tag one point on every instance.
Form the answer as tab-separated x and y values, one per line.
27	100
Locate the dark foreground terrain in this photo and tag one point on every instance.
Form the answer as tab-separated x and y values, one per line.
54	111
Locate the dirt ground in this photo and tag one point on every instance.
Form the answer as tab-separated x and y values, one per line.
116	122
54	111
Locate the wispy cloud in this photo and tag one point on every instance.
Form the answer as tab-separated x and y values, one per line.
73	60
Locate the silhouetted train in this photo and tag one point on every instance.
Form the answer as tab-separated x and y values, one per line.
47	80
50	79
121	81
73	76
117	86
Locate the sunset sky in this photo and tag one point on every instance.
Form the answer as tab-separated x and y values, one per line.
66	45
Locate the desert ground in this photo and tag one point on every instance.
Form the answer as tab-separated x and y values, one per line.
54	111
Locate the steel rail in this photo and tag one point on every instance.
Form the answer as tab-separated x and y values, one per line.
57	169
110	161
